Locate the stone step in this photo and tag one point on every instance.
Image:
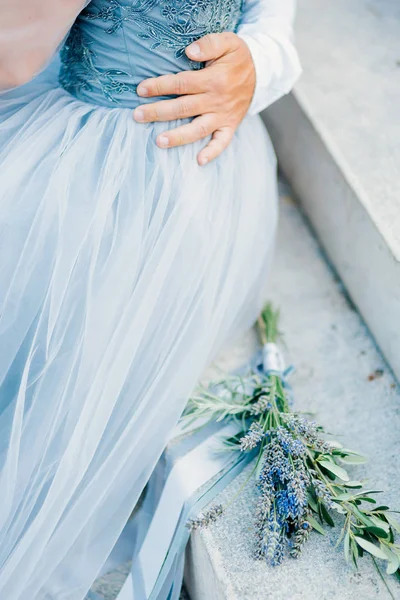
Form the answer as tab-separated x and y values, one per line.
337	377
109	585
338	141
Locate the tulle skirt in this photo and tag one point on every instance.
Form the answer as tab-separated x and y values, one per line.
123	268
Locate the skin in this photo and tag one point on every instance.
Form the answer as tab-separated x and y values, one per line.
30	32
218	96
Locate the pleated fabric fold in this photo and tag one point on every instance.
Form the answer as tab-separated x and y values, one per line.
123	269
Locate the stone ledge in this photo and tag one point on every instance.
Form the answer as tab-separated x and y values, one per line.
338	141
334	356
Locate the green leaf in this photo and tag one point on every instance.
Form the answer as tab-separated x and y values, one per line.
380	508
312	502
393	522
348	451
380	522
353	484
366	499
315	525
329	457
341	536
354	552
378	531
370	548
392	566
335	469
353	459
327	517
392	558
346	546
362	517
343	497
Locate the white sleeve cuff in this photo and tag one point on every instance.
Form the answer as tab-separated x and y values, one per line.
267	29
276	71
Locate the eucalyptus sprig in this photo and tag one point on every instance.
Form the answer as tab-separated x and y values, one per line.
302	481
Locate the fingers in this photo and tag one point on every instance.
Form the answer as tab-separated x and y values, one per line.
210	95
198	129
186	82
169	110
219	142
207	48
212	46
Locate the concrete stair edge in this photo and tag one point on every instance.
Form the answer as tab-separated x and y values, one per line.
333	200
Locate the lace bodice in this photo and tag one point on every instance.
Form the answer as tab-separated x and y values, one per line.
115	44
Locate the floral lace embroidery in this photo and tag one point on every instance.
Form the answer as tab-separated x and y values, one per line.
78	71
184	22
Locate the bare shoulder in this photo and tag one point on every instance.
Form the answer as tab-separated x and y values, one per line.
30	33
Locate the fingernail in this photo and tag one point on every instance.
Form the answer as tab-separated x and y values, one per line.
203	160
194	49
163	141
142	91
138	115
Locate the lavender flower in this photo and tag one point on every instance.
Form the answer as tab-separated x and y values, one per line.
262	513
322	492
283	504
300	537
289	443
274	547
261	405
205	519
308	430
252	437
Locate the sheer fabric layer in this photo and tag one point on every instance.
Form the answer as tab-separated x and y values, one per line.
123	268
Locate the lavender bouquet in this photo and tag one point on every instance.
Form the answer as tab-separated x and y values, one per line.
301	479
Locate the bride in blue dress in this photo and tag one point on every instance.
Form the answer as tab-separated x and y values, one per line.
124	266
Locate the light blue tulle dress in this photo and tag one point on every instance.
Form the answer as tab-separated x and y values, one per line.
123	269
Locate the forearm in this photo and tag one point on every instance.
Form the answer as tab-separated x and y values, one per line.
30	33
267	28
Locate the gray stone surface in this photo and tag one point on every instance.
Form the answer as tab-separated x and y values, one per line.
334	355
109	586
351	57
338	141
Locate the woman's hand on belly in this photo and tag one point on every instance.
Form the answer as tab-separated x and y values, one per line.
218	96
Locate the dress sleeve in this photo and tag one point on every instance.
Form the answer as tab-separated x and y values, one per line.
267	28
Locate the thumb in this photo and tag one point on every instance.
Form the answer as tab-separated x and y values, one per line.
212	46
